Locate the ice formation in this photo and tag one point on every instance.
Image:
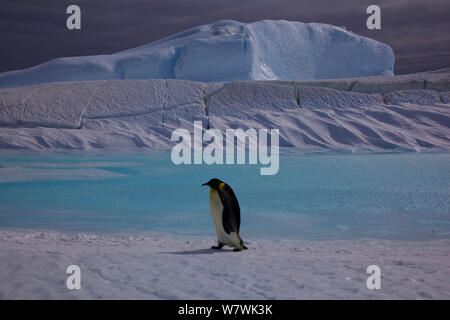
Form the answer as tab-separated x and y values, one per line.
227	51
370	113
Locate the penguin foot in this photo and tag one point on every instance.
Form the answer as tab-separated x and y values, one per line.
220	246
240	249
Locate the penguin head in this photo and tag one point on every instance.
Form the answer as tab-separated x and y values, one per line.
213	183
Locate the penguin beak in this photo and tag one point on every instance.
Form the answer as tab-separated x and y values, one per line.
206	184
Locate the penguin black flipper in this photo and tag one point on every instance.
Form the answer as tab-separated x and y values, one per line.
231	215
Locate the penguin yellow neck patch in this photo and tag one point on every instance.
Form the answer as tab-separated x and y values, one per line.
250	142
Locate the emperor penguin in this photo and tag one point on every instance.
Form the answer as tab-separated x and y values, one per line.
226	214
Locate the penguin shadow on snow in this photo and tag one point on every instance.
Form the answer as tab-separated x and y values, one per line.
200	251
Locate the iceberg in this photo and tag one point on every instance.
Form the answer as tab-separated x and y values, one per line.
225	51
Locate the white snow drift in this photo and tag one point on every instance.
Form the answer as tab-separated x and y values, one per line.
227	51
378	113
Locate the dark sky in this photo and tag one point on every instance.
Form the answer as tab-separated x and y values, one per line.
34	31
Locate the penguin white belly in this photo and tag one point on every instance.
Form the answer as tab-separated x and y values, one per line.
215	204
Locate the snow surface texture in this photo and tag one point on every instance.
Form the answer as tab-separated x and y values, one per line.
408	112
227	51
33	266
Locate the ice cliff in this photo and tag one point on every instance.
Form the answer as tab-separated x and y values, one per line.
409	112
